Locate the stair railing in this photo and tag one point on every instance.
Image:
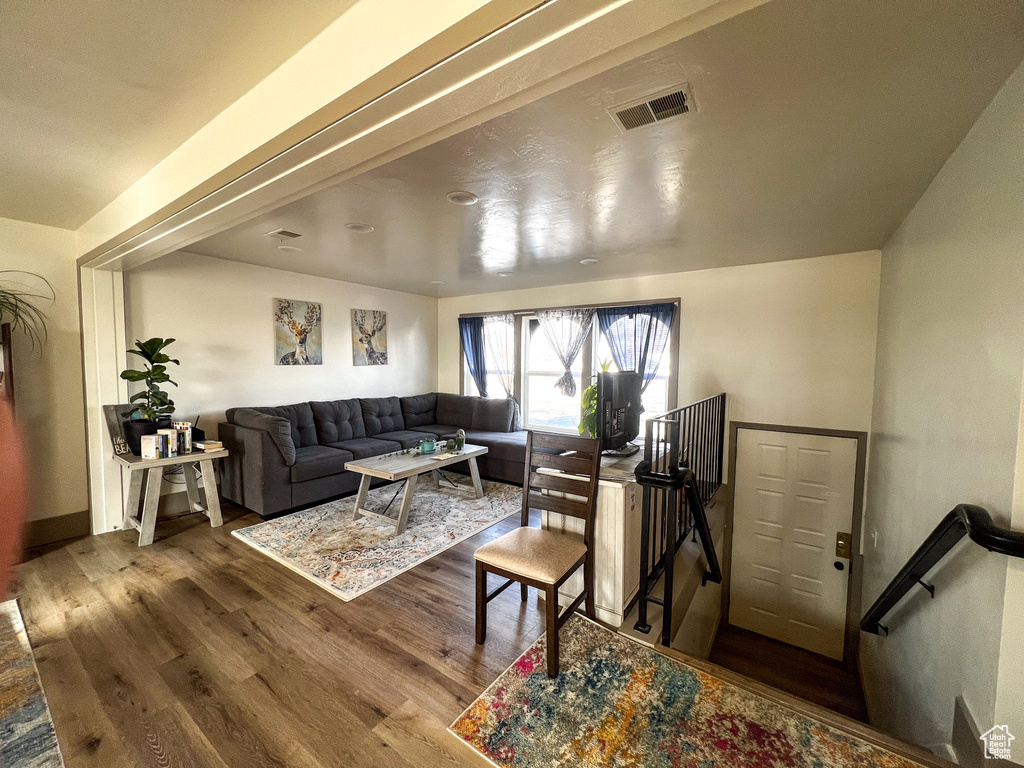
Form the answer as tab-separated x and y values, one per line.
964	520
680	473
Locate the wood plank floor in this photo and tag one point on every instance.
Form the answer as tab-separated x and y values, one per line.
807	675
199	651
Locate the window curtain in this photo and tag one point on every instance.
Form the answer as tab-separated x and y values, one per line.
500	342
471	330
566	330
638	336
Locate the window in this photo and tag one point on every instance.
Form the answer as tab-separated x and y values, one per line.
544	407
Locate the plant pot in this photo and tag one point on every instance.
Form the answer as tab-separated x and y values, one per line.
134	429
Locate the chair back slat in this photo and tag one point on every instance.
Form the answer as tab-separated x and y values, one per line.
571	465
583	464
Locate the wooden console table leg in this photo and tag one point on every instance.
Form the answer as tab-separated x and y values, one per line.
195	501
212	497
131	503
403	515
154	478
474	472
364	489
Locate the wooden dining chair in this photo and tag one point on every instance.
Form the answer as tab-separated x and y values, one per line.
544	559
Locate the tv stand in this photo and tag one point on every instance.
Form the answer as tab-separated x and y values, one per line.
627	450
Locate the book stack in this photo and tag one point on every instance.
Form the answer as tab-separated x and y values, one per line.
168	443
208	445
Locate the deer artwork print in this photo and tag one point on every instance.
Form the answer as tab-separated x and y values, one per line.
369	337
297	332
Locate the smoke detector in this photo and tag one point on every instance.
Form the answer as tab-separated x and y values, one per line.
653	108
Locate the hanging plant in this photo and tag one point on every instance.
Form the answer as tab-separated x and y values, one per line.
19	303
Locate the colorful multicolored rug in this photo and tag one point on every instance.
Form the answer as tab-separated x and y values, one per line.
618	703
350	557
27	739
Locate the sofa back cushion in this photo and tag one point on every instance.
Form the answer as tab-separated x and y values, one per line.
419	410
279	429
491	415
382	414
455	410
338	420
299	416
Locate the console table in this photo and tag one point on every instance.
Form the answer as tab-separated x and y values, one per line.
152	472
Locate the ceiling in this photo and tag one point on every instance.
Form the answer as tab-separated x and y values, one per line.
94	94
819	125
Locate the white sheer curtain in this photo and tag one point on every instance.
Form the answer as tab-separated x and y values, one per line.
566	330
500	348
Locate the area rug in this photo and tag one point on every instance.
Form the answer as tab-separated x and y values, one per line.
618	703
27	739
350	557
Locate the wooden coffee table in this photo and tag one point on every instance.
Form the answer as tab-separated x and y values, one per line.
408	467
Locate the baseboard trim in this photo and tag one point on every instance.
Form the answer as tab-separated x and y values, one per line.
52	529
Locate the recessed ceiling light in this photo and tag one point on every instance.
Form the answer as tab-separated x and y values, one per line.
289	248
505	274
437	282
362	229
588	262
462	198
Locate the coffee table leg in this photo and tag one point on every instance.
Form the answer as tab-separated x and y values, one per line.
364	489
403	515
474	472
212	497
154	476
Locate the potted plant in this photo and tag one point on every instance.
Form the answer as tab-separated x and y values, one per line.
19	303
588	415
151	408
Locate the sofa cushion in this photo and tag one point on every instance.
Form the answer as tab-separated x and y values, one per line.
299	416
364	447
278	427
437	430
406	437
504	446
338	420
382	414
420	410
315	461
456	409
493	415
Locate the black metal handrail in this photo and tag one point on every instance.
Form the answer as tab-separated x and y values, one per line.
680	473
964	520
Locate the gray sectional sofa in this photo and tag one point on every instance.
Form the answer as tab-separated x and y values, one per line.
293	455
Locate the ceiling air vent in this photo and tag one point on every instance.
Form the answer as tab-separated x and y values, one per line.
282	234
653	108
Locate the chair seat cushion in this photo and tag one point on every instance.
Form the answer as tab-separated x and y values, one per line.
537	554
365	447
407	438
313	461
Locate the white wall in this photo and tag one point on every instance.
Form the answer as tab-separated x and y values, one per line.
48	381
224	333
946	416
791	342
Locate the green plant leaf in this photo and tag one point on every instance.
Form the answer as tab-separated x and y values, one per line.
131	375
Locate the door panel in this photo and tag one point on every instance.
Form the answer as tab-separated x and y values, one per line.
793	494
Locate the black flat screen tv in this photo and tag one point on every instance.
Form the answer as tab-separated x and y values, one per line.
618	411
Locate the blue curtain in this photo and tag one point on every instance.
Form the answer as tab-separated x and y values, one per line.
638	336
471	329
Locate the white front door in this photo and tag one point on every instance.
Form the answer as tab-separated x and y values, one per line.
793	495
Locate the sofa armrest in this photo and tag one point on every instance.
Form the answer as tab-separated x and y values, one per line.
254	474
278	428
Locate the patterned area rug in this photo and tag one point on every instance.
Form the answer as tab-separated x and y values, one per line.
349	557
618	703
27	739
